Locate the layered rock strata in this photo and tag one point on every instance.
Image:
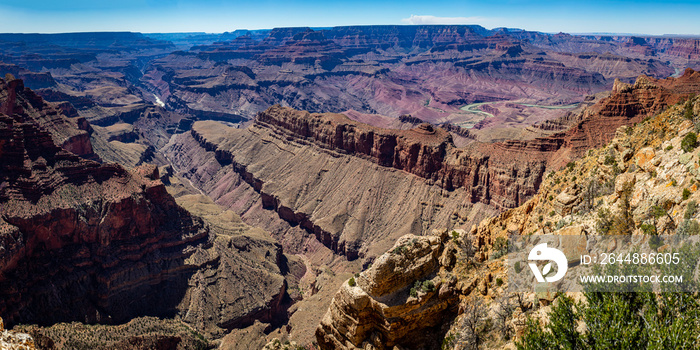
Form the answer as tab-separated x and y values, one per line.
97	243
352	205
286	156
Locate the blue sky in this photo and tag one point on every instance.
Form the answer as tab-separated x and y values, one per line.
641	16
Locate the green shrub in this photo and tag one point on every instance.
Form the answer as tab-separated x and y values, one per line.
688	113
400	249
657	211
605	220
609	160
449	341
500	247
690	209
499	281
616	170
517	267
413	292
614	321
428	286
655	242
562	223
570	166
689	142
540	218
351	282
455	235
686	193
670	147
688	227
648	229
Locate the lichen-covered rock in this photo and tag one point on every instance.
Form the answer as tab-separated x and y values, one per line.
15	341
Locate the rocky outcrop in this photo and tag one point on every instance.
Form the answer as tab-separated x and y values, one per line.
419	151
14	340
33	80
382	308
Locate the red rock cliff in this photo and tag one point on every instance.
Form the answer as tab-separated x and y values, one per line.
80	240
501	174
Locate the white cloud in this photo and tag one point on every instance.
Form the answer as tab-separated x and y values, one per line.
415	19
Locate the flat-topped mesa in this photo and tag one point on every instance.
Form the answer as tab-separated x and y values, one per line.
420	151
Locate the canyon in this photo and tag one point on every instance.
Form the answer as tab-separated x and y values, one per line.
224	189
94	242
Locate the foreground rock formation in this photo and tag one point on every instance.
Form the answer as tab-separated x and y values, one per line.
644	182
381	308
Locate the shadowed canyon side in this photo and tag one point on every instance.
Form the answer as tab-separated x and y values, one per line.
97	243
63	211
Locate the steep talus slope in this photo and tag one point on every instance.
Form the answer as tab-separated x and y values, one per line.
97	243
349	203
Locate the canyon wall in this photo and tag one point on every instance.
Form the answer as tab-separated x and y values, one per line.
287	158
97	243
